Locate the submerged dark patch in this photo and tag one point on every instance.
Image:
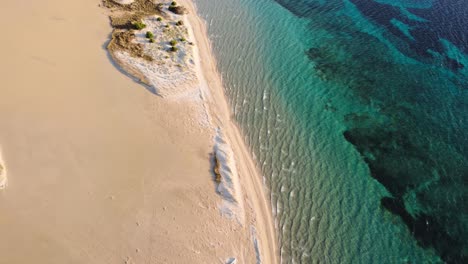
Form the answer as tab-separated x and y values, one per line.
404	144
444	20
306	8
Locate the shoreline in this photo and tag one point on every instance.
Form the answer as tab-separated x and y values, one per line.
218	116
255	188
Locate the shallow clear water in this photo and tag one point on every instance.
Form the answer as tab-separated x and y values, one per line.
343	103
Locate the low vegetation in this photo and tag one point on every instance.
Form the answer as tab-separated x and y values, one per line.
149	35
128	19
138	25
122	40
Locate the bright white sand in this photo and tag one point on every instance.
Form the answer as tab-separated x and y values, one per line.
124	2
3	173
100	170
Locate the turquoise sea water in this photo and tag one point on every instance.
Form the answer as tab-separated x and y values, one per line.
355	111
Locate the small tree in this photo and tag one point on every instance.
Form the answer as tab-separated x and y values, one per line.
183	39
151	40
180	23
173	42
159	19
174	49
173	3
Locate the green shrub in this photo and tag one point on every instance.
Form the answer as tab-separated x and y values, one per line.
159	19
138	25
151	40
173	42
149	35
174	49
183	39
180	23
173	3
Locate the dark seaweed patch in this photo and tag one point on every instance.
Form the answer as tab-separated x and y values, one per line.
444	20
414	138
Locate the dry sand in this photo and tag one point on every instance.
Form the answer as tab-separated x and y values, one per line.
100	170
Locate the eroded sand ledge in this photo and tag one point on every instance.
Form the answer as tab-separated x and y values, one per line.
174	71
3	174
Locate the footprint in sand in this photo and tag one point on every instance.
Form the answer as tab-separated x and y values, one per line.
3	178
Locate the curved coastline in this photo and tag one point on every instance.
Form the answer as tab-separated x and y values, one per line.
255	189
215	105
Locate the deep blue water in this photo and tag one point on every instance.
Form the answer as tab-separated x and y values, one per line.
356	112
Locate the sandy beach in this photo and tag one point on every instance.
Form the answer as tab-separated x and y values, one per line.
97	168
